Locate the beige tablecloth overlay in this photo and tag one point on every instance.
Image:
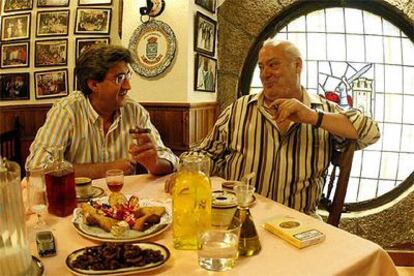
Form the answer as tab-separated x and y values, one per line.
340	254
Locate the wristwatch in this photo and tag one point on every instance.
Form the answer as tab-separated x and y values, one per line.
320	118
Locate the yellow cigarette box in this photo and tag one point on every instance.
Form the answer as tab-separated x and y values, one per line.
294	231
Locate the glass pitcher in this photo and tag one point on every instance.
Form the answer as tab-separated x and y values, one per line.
191	202
15	258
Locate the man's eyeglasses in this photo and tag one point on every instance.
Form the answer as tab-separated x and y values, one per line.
120	78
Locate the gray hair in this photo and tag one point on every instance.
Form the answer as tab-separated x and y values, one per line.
290	48
93	63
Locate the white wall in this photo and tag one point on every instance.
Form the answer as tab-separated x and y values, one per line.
176	84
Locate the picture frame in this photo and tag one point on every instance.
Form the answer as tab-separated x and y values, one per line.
21	5
52	3
52	23
93	21
94	2
15	27
51	52
120	17
51	84
205	73
15	55
209	5
83	44
205	34
14	86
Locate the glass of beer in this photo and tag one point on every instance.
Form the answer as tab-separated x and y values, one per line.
115	180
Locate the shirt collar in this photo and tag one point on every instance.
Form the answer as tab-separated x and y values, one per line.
308	99
94	116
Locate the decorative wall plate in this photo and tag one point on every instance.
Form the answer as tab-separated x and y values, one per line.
153	47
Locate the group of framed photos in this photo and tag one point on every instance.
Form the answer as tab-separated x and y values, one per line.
52	24
205	33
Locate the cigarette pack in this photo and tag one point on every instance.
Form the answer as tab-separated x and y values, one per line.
294	231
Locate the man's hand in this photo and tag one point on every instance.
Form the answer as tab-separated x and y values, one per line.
293	110
144	151
123	164
169	183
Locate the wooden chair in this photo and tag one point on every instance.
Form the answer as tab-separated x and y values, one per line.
343	161
10	144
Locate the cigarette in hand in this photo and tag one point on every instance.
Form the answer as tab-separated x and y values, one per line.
139	130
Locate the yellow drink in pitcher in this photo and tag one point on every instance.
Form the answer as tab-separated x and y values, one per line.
191	208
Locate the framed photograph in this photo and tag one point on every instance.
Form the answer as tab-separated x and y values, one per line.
51	52
52	23
17	5
14	55
14	86
120	17
205	34
52	3
83	44
15	27
94	2
51	84
93	21
205	73
209	5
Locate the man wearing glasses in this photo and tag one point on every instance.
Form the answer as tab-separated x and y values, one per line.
94	124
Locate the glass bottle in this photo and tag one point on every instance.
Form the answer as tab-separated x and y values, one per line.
60	184
249	243
191	202
15	258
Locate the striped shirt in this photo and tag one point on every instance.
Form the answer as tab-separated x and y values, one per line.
73	123
289	168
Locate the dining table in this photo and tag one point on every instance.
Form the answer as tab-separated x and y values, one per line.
341	253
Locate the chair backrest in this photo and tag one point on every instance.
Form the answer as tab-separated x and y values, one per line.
10	144
343	161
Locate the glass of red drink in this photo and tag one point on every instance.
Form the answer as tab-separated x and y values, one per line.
115	180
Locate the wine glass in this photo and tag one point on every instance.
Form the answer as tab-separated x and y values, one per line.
37	194
115	180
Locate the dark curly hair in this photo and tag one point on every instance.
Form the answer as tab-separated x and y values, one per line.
93	63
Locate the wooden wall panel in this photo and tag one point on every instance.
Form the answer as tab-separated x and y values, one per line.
181	125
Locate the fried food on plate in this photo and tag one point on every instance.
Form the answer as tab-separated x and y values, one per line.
102	221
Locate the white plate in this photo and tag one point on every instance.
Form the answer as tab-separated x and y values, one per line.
97	233
95	192
123	271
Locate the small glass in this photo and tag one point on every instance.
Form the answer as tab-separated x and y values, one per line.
37	194
115	180
218	245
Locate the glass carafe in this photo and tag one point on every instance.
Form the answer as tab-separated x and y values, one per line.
60	184
191	202
15	258
249	243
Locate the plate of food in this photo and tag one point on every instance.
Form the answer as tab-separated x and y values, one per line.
117	259
118	219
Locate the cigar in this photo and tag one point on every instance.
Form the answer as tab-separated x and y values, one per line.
139	130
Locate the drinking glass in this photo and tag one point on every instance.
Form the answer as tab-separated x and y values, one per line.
218	245
115	180
37	194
